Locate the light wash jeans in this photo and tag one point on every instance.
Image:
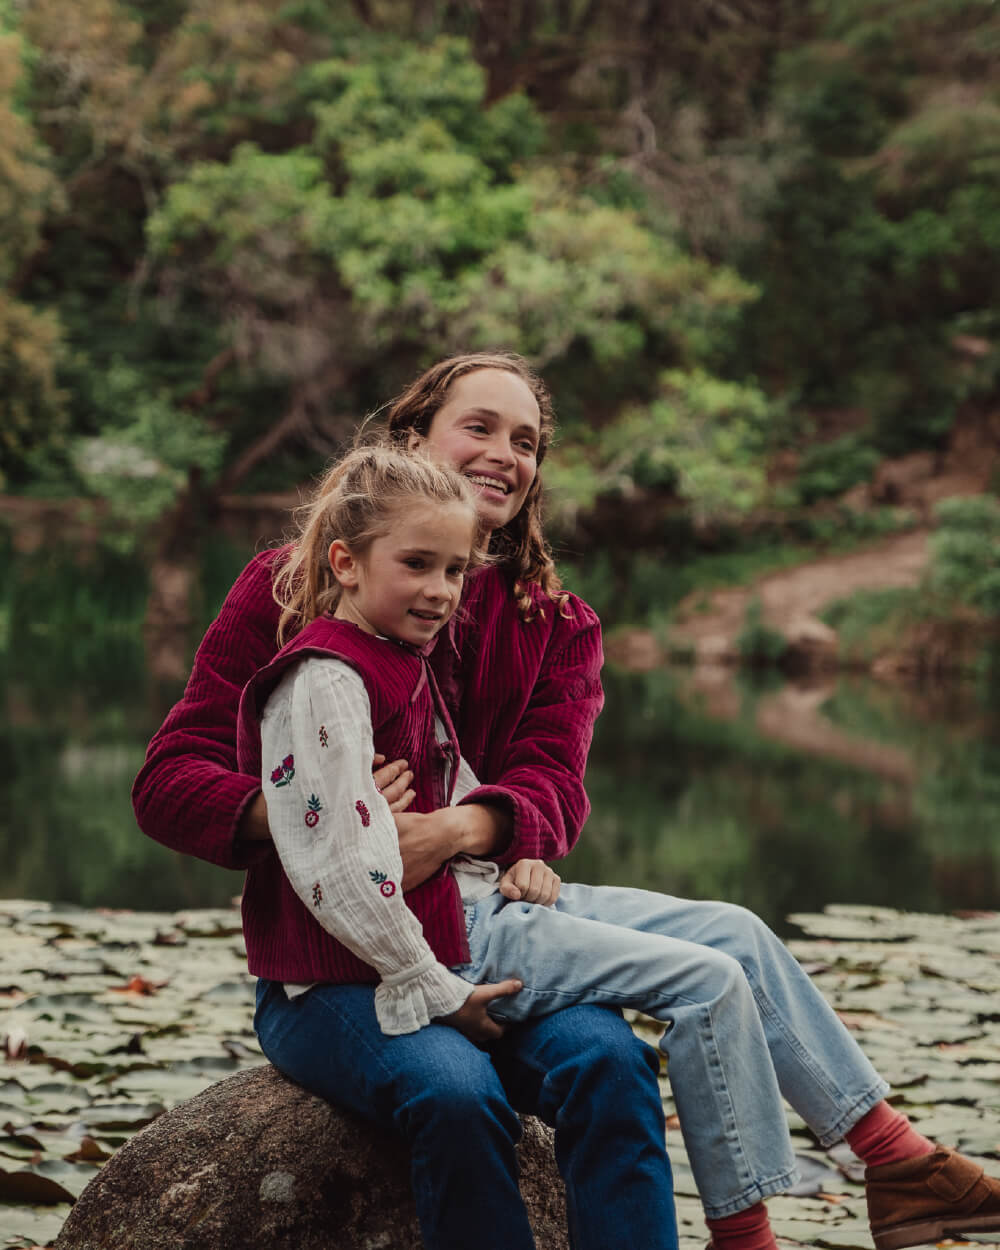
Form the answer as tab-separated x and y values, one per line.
745	1025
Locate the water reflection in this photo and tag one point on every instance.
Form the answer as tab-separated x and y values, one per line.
779	797
785	799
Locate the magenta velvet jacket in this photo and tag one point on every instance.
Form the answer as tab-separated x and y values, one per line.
523	695
284	940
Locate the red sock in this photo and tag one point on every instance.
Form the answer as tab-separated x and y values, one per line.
886	1136
746	1230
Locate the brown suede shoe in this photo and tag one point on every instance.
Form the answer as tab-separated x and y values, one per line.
925	1200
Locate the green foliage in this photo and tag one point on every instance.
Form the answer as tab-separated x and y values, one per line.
828	469
272	214
757	642
146	452
701	439
32	405
966	552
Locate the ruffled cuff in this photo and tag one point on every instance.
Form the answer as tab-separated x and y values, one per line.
406	1001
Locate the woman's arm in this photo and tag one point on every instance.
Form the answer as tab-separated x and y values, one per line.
534	771
336	839
189	794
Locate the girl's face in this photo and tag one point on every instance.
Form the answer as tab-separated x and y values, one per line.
409	581
488	429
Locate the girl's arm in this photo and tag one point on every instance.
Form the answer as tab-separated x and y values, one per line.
336	839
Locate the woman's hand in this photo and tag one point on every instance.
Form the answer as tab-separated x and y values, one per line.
393	782
531	881
428	839
473	1019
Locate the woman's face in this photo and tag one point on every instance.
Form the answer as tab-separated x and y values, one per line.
488	429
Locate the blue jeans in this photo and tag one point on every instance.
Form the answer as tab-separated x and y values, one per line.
745	1025
583	1071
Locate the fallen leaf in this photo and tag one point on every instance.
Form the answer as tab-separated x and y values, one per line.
138	985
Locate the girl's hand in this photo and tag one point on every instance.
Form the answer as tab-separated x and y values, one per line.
393	783
473	1019
531	881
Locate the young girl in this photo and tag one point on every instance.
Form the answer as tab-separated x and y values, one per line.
386	550
375	576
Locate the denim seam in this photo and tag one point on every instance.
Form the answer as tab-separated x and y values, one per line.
814	1071
865	1101
727	1113
860	1107
752	1194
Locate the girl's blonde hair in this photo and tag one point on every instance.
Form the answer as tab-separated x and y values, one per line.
519	547
357	501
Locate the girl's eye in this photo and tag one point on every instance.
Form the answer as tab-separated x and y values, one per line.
456	570
526	445
413	562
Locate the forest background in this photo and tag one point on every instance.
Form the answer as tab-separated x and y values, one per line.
751	244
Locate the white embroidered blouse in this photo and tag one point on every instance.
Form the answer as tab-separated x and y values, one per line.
319	714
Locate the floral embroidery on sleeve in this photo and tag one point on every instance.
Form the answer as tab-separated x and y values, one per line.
324	737
313	809
381	879
317	893
285	771
363	812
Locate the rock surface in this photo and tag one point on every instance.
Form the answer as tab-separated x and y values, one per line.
257	1162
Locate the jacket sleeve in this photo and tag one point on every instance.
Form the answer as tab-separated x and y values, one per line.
337	842
540	779
189	794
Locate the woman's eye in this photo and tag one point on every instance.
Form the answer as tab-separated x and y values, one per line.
412	562
477	427
526	445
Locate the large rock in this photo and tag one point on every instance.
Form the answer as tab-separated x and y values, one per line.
257	1163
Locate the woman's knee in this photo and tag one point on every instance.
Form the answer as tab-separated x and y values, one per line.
455	1096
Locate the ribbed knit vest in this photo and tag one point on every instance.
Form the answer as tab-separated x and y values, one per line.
284	941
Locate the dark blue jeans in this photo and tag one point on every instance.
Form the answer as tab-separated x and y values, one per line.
581	1070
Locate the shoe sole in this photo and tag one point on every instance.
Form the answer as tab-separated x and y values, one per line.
929	1232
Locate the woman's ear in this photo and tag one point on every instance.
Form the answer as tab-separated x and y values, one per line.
413	440
343	564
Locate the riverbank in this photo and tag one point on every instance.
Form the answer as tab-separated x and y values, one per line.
107	1018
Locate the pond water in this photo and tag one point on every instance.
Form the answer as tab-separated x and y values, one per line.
778	797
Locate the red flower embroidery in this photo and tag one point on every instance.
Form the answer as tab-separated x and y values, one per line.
364	813
386	887
285	771
324	737
314	807
317	894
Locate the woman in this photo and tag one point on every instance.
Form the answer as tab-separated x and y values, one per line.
746	1024
581	1070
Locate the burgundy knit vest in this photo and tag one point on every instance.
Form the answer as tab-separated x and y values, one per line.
284	941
